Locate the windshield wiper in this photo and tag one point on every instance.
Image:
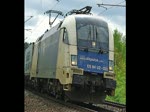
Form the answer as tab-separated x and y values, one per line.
102	51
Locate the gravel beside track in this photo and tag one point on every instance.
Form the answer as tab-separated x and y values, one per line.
34	103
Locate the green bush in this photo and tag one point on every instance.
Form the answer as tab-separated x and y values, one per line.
120	68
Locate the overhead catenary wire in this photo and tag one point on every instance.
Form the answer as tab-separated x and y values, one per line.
110	16
111	7
42	18
28	19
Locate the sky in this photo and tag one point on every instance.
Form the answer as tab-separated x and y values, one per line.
36	25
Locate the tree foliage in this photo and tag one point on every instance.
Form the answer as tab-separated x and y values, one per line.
120	67
26	45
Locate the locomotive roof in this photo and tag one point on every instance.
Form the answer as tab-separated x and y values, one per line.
48	32
56	27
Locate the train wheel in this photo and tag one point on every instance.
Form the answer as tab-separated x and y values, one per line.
66	99
90	104
58	90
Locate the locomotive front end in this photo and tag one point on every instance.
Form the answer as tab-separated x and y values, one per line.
91	73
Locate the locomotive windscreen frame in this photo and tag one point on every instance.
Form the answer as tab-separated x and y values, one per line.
92	33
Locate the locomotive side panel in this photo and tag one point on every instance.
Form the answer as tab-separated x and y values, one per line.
67	48
63	61
47	56
28	59
111	50
34	62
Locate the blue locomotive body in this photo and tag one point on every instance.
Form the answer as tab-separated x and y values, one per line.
93	62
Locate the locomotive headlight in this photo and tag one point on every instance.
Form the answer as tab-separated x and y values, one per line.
74	60
93	44
111	65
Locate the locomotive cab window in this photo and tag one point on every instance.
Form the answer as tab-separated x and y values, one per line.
65	36
92	33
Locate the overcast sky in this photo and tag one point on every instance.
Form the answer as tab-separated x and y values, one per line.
39	23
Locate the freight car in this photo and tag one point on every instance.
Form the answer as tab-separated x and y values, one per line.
73	60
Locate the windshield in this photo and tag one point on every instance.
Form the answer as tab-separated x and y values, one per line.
92	33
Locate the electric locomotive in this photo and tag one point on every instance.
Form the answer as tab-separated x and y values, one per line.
74	59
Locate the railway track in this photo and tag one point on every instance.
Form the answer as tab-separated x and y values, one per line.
83	107
114	107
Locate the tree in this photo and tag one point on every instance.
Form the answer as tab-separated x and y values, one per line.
120	67
26	45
